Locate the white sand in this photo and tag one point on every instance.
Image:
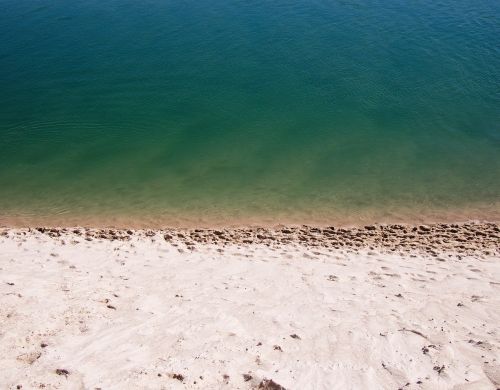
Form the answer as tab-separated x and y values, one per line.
203	314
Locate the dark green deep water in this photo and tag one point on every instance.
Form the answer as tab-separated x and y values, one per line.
249	110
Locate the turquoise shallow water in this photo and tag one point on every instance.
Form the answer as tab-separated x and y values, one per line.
168	111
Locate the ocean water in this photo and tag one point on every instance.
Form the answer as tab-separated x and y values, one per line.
177	112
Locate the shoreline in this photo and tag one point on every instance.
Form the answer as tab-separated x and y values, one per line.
466	238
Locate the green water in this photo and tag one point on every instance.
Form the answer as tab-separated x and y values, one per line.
236	111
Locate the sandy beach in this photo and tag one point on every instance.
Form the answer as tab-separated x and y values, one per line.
375	307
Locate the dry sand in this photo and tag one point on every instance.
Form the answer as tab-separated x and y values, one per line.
371	308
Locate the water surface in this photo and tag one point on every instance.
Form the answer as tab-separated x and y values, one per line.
171	112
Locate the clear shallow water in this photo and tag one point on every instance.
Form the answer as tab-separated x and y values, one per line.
213	110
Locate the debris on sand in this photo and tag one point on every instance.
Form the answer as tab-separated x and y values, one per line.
62	371
269	384
179	377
